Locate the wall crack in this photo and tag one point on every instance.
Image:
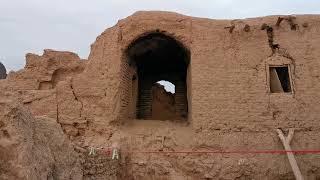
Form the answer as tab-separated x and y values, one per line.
76	97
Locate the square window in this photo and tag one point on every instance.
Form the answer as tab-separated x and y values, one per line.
279	79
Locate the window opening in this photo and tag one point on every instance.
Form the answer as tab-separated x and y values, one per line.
279	79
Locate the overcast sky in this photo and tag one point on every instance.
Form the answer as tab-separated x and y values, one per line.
72	25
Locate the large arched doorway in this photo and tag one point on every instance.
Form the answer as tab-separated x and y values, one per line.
155	57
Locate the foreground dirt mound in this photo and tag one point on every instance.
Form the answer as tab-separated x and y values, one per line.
100	167
34	148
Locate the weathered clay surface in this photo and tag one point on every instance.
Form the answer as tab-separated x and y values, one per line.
34	148
230	106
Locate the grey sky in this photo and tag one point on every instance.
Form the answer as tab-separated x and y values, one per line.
72	25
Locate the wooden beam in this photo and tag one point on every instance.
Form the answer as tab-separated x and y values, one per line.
286	143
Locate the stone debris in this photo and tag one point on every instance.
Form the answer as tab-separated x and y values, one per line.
3	71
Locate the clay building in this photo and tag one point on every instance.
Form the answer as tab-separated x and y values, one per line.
235	83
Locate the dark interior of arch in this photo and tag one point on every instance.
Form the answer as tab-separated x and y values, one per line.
156	57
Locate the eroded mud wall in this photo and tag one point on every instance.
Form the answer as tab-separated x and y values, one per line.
232	105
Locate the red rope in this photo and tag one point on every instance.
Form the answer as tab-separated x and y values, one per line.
232	152
109	151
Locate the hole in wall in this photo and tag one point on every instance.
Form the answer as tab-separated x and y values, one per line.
280	79
168	86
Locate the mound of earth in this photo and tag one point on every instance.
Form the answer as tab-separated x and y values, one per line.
34	148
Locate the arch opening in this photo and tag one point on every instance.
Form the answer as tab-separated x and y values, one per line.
159	61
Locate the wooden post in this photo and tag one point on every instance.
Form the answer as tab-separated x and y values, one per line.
286	143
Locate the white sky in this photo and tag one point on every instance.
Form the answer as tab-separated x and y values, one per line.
168	86
72	25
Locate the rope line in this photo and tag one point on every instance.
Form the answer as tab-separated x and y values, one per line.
231	152
93	151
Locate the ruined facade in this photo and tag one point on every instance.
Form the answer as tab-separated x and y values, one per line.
236	82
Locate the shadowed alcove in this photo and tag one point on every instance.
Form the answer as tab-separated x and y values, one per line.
152	58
